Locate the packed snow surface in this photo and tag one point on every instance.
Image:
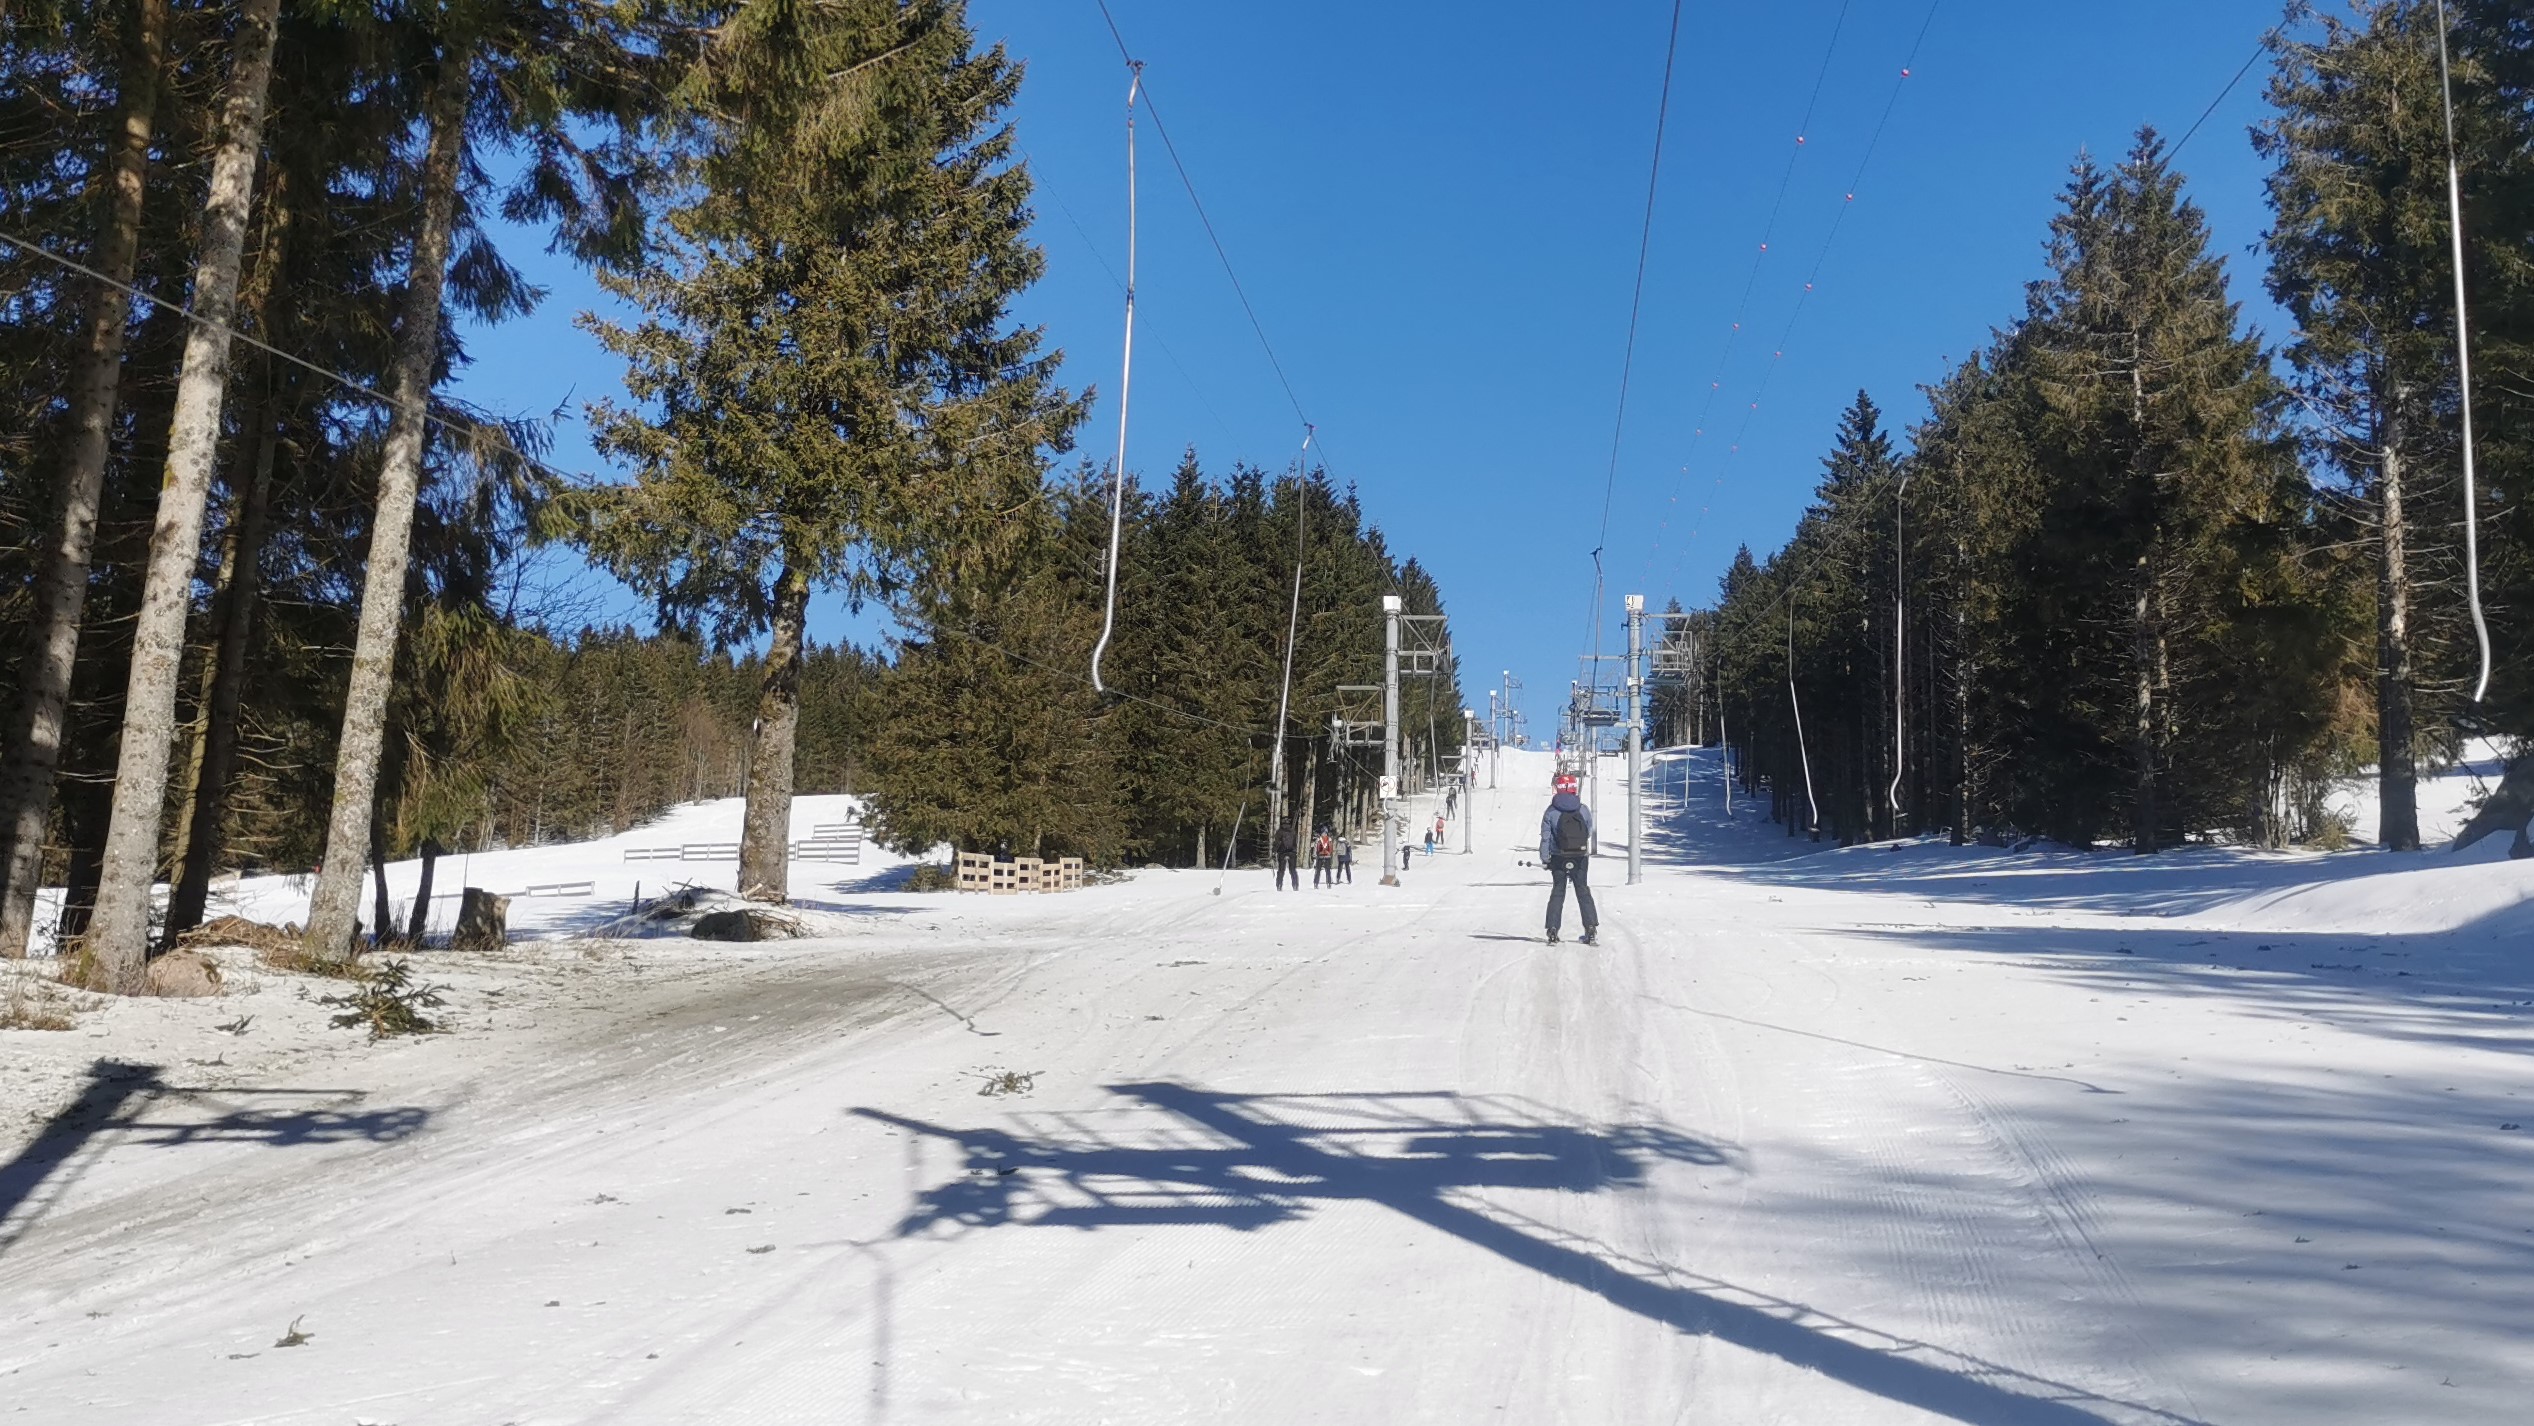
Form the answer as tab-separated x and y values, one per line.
1885	1134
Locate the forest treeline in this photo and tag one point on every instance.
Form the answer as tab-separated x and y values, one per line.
273	596
1178	755
2142	576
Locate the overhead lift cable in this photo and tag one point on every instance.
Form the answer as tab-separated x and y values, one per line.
1636	303
1812	276
1750	282
2463	362
1207	222
1125	380
469	431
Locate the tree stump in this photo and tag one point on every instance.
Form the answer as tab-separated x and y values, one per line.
483	922
2508	808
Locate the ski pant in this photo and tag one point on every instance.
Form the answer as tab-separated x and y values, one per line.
1571	866
1286	868
1322	874
1346	870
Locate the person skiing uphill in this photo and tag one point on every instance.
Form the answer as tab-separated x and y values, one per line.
1566	849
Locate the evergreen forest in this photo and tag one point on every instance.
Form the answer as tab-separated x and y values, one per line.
276	600
2144	575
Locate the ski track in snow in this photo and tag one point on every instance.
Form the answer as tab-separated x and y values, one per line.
1891	1134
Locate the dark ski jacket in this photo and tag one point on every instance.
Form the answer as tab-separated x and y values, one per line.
1563	802
1284	839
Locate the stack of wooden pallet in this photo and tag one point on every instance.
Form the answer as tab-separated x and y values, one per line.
979	871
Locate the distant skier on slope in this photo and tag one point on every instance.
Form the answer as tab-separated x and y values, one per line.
1566	849
1284	856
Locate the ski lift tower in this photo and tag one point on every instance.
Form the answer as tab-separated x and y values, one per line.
1389	738
1416	645
1669	661
1593	706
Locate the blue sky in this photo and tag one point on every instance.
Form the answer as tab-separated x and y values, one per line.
1435	207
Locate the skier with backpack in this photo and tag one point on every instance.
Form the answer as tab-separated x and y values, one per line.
1283	848
1566	849
1323	859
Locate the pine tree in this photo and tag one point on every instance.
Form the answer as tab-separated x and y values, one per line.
2152	442
32	751
516	46
118	935
831	394
2358	248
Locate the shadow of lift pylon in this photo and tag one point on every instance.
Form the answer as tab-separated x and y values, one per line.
1259	1160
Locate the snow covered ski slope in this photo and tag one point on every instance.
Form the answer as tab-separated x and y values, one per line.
1813	1137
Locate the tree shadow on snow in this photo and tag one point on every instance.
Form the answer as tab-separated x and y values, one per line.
1695	831
131	1105
2470	988
1250	1162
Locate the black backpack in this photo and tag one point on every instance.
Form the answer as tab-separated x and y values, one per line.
1572	836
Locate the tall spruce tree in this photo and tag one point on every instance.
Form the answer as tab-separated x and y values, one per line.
2152	441
829	391
2357	249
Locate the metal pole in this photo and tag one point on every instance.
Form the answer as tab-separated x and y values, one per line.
1636	739
1469	782
1900	644
1389	740
1495	737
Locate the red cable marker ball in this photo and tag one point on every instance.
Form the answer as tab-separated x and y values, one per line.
1904	74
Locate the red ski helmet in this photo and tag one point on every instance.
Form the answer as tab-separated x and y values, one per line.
1568	782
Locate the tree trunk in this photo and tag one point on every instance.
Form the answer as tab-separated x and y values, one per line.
2142	737
1965	669
2397	772
383	920
765	840
118	934
34	733
336	904
418	923
215	752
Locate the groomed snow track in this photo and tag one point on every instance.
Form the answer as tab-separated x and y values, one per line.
1814	1137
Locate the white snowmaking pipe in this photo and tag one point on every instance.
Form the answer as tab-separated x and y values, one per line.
1125	379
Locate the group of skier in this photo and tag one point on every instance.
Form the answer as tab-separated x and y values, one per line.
1332	857
1566	850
